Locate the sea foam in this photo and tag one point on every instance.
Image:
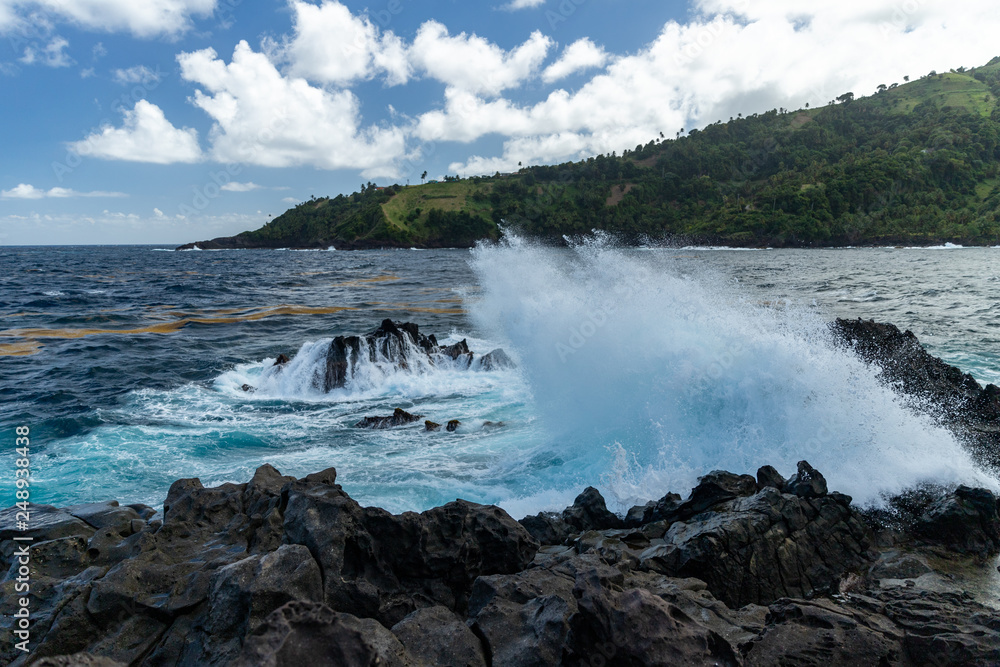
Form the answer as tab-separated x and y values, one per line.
645	378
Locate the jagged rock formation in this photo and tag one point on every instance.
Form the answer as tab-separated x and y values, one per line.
955	398
745	570
286	572
399	345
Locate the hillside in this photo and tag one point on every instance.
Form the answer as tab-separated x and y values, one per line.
917	163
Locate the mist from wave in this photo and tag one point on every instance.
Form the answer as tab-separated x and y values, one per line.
646	377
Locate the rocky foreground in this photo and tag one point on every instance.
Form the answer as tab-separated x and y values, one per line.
744	570
284	571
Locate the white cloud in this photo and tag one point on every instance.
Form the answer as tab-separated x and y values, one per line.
474	64
733	56
158	213
136	74
147	136
148	18
26	191
331	45
581	55
525	4
236	186
264	118
53	55
290	200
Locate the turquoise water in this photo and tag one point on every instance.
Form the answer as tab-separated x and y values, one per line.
639	369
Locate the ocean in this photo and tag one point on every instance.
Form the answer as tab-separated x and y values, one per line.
638	368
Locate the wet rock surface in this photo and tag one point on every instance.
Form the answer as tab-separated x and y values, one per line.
775	569
285	571
400	345
958	401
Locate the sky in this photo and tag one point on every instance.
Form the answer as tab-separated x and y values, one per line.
170	121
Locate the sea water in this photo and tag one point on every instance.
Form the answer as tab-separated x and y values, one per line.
638	369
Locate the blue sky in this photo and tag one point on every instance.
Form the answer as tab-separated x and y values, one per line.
168	121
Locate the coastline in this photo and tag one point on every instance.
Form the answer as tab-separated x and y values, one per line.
744	570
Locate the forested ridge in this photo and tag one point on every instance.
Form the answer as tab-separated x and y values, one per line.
917	163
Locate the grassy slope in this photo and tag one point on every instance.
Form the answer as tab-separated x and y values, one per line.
401	211
402	217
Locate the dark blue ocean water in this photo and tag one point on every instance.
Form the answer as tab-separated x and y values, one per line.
126	364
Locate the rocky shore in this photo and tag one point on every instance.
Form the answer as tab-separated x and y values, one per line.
769	569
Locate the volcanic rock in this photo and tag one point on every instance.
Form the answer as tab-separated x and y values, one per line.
397	343
959	402
496	360
399	417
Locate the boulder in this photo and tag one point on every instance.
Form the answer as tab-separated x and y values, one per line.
959	402
436	636
759	548
376	564
308	633
398	418
496	360
453	425
714	489
768	476
397	343
807	482
965	521
588	512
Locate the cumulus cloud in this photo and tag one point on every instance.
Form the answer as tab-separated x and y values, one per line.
263	117
332	45
149	18
26	191
581	55
525	4
474	64
732	56
52	55
146	136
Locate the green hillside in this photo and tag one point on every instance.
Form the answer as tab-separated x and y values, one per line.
914	163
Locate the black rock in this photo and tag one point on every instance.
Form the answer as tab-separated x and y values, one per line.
453	425
303	633
807	482
398	418
431	426
496	360
768	476
281	360
396	343
713	489
436	636
965	521
766	546
960	403
590	512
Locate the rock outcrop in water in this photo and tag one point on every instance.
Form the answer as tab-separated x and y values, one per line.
399	345
287	572
745	570
954	398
